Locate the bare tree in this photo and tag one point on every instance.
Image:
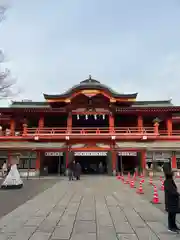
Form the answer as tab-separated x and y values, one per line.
6	81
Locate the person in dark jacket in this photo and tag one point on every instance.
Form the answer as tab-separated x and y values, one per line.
77	171
166	168
171	201
71	170
8	168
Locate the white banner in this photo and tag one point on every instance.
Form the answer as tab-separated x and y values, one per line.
90	153
53	154
127	154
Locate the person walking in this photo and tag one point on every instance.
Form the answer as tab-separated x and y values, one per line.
166	168
101	168
77	171
71	170
4	169
171	201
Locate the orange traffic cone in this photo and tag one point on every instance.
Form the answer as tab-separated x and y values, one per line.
132	184
150	181
128	179
155	199
162	186
140	189
129	176
118	177
134	176
178	175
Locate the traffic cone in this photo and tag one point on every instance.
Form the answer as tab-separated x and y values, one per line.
128	179
118	177
178	175
132	184
155	199
134	177
140	189
162	186
150	180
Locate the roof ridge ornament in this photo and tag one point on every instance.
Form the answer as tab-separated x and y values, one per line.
90	79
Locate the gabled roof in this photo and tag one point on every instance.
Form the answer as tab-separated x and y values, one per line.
90	84
163	103
29	105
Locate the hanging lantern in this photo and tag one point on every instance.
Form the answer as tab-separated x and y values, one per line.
86	117
95	117
78	117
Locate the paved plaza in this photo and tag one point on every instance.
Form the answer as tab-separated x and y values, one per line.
95	208
9	199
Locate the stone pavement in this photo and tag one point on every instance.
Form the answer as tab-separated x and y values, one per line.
95	208
20	196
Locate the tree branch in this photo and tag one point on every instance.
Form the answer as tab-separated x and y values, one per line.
6	81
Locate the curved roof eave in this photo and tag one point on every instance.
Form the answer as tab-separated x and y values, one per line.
87	87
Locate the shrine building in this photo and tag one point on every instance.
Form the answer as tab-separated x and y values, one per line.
92	124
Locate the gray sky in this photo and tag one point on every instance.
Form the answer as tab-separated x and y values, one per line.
130	45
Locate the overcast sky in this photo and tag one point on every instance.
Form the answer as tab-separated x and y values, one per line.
130	45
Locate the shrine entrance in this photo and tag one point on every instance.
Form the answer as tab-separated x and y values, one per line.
92	162
52	163
127	162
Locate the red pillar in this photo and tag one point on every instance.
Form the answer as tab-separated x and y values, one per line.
12	127
169	126
41	122
173	161
156	128
25	129
38	160
140	123
69	123
111	123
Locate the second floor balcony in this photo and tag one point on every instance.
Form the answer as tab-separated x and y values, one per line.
115	133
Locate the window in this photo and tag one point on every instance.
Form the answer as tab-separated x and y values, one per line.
27	163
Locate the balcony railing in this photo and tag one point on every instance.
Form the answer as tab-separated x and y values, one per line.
90	131
104	132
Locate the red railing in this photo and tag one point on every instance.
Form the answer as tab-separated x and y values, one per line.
119	132
90	131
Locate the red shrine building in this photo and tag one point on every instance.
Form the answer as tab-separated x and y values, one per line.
92	124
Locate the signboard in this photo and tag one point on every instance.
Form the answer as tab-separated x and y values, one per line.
90	154
157	160
53	154
158	156
133	154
